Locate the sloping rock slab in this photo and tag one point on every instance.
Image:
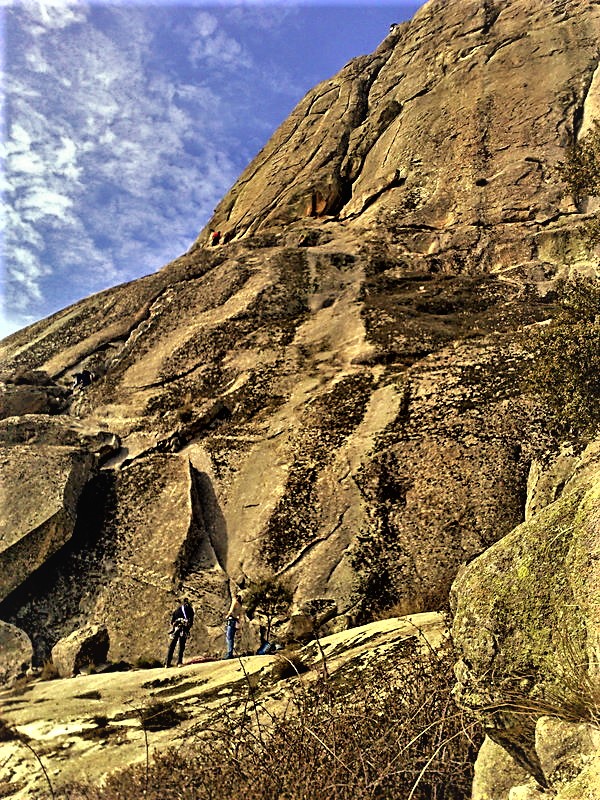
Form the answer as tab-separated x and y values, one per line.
62	715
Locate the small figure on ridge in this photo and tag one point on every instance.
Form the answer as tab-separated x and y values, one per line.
182	620
82	379
232	623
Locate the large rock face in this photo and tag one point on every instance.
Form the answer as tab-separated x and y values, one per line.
334	394
443	138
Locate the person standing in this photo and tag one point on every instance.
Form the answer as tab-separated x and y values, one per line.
182	620
232	623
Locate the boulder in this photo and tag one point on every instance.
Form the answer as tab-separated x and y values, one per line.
39	491
496	773
84	647
564	748
57	431
569	756
16	652
32	396
527	621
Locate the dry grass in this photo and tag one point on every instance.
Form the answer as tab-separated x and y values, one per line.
570	690
390	732
49	671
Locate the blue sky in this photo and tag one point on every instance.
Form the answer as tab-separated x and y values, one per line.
124	124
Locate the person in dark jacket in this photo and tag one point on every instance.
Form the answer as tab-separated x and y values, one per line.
182	620
82	379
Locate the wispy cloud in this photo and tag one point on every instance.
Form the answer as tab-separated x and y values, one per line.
117	145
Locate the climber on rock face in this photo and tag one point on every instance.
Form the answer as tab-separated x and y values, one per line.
182	620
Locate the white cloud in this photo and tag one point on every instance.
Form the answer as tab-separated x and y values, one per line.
28	163
120	142
40	202
45	15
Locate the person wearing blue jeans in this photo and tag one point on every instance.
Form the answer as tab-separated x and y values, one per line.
232	623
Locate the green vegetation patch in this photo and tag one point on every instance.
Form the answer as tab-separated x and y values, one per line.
565	359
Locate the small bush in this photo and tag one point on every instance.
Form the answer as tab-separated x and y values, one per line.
101	730
568	687
7	732
148	663
49	671
22	685
160	716
186	411
269	597
399	609
288	665
94	694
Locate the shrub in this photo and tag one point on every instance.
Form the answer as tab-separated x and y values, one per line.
49	671
565	371
161	715
394	734
581	168
269	597
288	665
144	662
7	732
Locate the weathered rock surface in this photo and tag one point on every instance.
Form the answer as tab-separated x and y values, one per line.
496	773
335	394
569	755
16	653
67	720
30	392
83	648
62	431
39	491
139	532
527	625
443	138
